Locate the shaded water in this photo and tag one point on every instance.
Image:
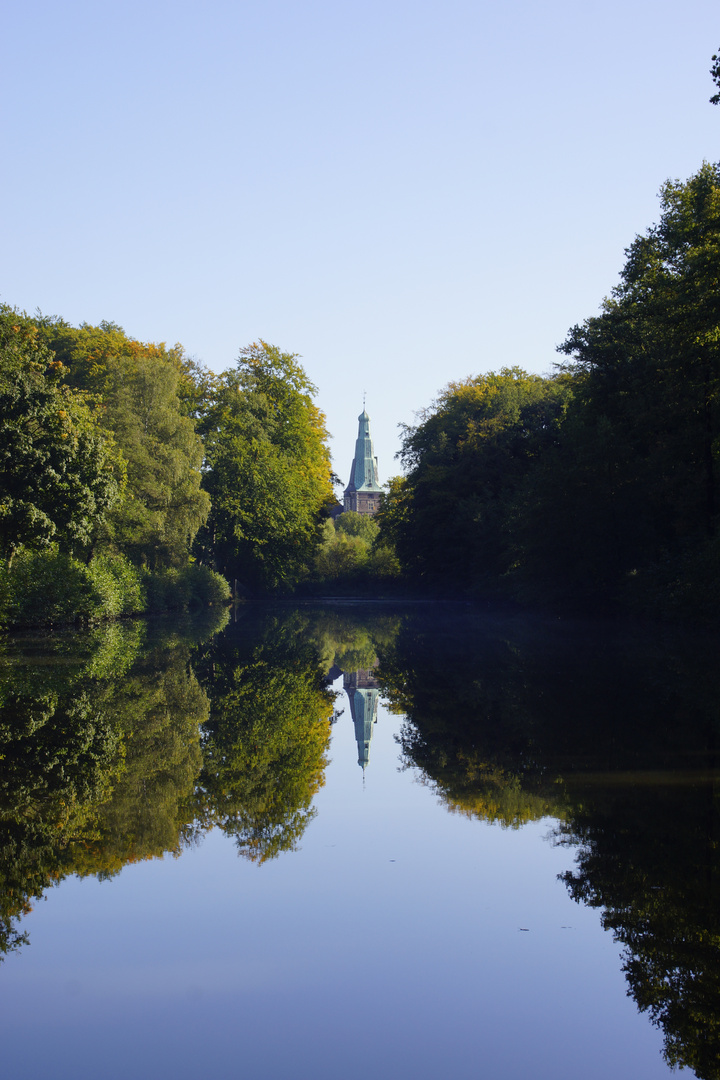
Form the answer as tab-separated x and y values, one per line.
406	843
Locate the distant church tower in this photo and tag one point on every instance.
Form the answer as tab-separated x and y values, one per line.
363	491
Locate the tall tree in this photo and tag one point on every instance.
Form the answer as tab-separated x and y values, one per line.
268	472
715	72
465	460
59	476
147	396
647	388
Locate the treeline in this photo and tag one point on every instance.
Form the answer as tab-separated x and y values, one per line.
133	479
596	486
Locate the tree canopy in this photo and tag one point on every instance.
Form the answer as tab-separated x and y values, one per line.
268	470
465	461
60	475
598	485
145	392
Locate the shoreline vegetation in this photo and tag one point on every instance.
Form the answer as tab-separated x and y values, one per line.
134	480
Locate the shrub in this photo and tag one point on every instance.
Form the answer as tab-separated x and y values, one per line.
180	588
46	587
354	524
118	584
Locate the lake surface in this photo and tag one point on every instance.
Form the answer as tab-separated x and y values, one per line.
360	841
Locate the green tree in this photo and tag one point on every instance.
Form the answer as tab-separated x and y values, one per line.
149	396
268	470
341	556
465	461
643	436
362	525
59	477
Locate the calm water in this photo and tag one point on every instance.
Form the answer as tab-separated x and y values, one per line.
199	877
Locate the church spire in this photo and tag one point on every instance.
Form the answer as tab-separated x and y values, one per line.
362	494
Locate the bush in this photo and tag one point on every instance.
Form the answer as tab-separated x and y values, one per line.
181	588
343	556
47	588
354	524
118	584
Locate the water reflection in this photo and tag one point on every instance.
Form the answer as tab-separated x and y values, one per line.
126	743
615	734
265	743
362	690
100	750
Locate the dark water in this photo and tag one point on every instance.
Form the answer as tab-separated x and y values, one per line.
360	841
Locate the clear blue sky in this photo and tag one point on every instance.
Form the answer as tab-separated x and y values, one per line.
403	193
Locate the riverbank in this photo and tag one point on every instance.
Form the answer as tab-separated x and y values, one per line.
50	588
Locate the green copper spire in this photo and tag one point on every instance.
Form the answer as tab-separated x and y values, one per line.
363	491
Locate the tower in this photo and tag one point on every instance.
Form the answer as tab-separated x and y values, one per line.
363	491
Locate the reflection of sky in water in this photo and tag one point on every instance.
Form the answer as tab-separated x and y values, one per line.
388	946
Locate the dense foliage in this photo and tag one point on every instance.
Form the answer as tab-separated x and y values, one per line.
124	463
59	473
465	462
352	557
598	485
130	475
268	470
139	389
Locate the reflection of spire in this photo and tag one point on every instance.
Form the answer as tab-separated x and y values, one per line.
362	691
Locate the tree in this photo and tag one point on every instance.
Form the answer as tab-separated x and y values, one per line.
268	472
59	476
465	460
362	525
148	395
715	73
645	423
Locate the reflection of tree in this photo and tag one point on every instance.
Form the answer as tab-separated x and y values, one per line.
265	743
508	721
467	728
99	736
470	784
617	736
157	710
61	754
351	638
649	859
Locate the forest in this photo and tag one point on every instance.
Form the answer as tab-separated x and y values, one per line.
596	487
134	479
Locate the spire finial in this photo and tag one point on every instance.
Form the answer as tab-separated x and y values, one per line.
364	396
